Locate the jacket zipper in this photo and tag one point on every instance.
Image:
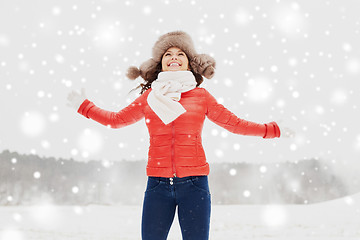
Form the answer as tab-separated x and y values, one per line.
173	150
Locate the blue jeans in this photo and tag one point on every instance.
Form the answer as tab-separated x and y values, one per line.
190	195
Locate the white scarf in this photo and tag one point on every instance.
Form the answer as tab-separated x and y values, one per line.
166	93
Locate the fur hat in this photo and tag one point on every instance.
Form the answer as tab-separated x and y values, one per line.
200	63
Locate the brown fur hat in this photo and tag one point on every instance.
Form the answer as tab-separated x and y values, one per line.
200	63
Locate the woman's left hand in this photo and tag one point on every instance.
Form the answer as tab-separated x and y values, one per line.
285	131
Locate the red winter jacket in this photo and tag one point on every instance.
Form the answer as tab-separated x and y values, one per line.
176	149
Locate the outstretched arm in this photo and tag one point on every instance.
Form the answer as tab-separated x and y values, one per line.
128	115
220	115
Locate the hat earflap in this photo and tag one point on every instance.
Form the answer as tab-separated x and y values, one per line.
204	65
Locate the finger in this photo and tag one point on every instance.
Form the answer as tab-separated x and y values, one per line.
73	93
69	105
70	97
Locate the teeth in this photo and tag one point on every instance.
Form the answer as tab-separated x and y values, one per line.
174	64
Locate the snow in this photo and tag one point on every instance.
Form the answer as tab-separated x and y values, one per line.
243	17
37	175
336	219
275	60
32	123
90	141
259	89
353	66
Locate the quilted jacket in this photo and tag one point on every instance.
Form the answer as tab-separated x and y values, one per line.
176	149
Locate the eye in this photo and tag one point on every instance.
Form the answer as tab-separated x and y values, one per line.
181	54
167	54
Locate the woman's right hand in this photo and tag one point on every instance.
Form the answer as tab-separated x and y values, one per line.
75	99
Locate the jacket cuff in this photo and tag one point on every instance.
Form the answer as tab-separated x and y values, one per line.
266	131
272	130
85	107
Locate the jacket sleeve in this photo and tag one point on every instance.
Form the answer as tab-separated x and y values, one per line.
128	115
221	116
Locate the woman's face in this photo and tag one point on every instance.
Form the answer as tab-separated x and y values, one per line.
174	59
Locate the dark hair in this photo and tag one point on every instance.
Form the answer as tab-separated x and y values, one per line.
152	76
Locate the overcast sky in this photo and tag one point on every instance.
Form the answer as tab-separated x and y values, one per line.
295	61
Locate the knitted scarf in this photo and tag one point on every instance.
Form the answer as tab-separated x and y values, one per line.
166	93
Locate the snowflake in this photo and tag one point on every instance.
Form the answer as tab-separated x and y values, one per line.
75	189
246	193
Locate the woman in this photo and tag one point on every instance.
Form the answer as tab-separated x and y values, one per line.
174	108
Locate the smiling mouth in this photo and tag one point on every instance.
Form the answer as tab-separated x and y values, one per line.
174	64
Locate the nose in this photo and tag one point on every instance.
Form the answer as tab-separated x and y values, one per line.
174	57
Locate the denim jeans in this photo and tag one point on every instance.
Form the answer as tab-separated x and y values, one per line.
190	195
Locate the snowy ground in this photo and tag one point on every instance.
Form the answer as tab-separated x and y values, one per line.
333	220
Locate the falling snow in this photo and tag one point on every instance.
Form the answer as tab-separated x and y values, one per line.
276	61
37	175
